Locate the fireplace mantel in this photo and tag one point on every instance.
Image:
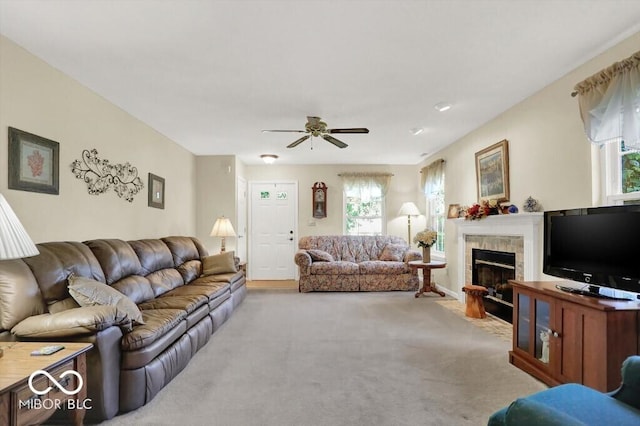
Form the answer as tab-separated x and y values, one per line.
528	226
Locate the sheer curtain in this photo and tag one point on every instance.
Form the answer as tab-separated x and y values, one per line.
366	183
610	103
432	178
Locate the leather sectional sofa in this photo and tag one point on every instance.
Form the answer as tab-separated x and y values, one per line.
356	263
130	361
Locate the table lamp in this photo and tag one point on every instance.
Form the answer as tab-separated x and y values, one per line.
222	228
409	209
15	243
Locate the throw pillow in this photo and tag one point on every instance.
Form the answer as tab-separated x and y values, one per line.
88	292
393	252
223	263
320	255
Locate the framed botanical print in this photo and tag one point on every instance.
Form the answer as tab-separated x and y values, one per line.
156	191
492	172
33	163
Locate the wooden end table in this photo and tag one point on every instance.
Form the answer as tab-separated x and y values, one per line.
427	286
20	405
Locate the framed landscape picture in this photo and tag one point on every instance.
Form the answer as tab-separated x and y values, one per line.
492	172
33	162
156	191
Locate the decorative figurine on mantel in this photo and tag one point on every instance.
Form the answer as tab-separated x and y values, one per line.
426	239
531	205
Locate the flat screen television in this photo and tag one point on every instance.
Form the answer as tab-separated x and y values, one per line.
599	246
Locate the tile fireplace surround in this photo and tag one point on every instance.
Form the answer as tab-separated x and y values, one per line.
519	233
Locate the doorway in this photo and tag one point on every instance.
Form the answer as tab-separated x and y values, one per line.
273	230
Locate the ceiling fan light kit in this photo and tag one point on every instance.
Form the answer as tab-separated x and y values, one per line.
317	128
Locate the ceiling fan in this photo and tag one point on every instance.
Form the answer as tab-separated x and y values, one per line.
316	127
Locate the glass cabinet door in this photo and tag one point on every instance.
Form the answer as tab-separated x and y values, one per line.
524	321
542	331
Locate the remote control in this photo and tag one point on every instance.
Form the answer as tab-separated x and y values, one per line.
47	350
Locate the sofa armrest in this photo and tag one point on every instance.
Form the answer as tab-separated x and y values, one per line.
303	260
629	390
411	255
72	322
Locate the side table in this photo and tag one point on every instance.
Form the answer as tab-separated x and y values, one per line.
58	381
426	267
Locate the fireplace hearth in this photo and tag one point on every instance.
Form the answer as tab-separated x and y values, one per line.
493	270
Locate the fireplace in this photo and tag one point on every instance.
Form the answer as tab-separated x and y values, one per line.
493	270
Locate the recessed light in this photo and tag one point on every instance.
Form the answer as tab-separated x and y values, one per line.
442	106
416	131
269	158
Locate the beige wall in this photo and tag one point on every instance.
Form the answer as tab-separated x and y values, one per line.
39	99
404	187
550	158
216	189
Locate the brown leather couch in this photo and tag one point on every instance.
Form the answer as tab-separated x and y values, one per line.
129	363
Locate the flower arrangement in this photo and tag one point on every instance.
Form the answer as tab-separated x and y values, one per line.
484	209
426	238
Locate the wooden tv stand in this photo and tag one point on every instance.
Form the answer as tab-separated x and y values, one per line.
587	338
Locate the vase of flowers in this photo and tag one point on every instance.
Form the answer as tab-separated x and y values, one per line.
426	239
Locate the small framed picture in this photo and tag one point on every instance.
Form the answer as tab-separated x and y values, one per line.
492	172
33	163
156	191
454	211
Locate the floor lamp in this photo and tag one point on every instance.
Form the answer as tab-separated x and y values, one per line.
409	209
222	228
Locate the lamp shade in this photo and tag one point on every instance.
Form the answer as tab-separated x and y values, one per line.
409	209
223	228
14	240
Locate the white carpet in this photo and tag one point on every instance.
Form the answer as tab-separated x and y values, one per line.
286	358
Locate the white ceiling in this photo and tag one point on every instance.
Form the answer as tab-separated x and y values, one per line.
211	75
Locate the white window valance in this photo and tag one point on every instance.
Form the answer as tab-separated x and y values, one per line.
366	182
610	103
432	177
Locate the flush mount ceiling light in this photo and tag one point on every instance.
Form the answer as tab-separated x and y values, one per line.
416	131
442	106
269	158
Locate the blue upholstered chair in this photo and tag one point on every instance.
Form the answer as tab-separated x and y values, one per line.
572	404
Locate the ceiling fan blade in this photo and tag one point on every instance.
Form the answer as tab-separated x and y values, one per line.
298	142
288	131
352	130
334	141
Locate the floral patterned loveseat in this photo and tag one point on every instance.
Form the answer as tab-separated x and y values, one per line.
356	263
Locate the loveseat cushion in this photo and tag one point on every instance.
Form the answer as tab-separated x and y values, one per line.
72	322
334	268
88	292
54	264
320	255
393	252
223	263
383	267
157	322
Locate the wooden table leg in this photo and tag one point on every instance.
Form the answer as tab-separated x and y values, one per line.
427	287
77	415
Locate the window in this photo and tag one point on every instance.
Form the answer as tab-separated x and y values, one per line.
610	110
621	174
433	184
364	207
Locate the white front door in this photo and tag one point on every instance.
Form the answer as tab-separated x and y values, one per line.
273	224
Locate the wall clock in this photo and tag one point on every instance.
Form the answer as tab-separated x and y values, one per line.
319	198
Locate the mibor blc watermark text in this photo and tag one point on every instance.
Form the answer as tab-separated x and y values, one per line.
37	402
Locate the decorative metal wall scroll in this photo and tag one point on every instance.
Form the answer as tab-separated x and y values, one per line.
100	175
